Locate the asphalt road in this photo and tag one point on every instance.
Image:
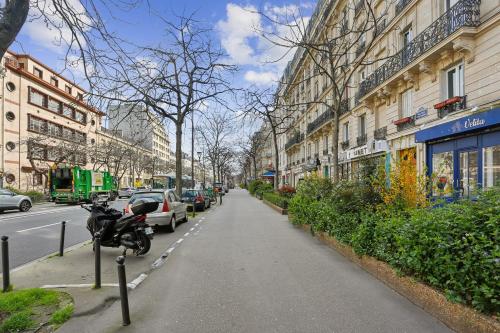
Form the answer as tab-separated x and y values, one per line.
249	270
36	233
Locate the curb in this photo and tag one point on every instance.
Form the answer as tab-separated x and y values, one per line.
456	316
280	210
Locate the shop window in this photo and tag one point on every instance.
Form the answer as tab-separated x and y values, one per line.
442	173
468	165
491	166
455	81
407	103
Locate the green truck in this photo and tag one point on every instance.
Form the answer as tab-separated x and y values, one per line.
74	184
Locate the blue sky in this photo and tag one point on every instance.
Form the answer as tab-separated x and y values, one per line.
233	26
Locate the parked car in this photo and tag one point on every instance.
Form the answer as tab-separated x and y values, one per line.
170	210
219	188
141	188
11	200
196	198
126	192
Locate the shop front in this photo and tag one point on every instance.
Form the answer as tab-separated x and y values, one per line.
352	162
463	155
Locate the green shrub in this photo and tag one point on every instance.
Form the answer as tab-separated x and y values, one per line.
276	199
254	184
34	195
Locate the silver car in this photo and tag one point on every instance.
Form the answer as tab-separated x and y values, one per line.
126	192
11	200
170	210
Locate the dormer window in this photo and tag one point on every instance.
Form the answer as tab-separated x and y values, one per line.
38	72
79	96
68	89
54	81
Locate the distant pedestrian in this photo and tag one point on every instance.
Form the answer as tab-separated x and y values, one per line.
220	197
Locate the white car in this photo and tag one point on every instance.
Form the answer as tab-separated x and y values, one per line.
11	200
170	209
126	192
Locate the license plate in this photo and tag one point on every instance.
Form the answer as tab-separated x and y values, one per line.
149	231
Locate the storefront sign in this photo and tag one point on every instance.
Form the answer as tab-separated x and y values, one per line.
462	125
421	112
373	147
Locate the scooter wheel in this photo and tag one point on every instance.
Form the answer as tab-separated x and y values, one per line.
146	245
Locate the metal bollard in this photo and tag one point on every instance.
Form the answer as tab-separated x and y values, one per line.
97	253
5	264
122	282
194	208
61	244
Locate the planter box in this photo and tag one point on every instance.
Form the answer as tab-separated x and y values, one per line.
457	316
280	210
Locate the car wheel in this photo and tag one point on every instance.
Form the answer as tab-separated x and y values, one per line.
185	217
172	225
24	206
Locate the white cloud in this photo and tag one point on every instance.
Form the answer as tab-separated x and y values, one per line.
261	78
54	34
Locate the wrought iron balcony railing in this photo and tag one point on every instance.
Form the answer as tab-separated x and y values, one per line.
464	13
345	144
380	134
361	48
318	122
296	138
344	107
451	105
361	140
380	28
401	5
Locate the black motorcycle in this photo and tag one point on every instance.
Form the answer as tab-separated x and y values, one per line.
116	229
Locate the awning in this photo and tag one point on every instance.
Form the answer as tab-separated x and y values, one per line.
268	174
466	124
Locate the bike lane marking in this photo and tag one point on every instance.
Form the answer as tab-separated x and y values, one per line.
42	226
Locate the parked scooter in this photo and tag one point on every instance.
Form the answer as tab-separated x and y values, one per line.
129	231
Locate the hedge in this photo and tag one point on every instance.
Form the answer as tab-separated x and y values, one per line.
453	247
34	195
276	199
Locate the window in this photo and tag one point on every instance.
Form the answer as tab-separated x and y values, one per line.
316	147
53	154
36	152
54	105
10	116
407	104
450	3
10	146
442	169
36	125
80	117
79	96
455	81
80	137
36	97
67	89
67	133
53	129
491	166
316	89
407	36
10	86
54	82
345	131
38	72
325	143
362	125
68	111
308	150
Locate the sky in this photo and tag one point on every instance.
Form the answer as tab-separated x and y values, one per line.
233	25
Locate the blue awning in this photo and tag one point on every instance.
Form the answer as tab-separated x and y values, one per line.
268	174
466	124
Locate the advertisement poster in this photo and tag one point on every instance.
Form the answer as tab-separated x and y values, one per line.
97	179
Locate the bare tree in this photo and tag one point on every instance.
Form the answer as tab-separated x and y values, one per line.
250	148
337	43
175	79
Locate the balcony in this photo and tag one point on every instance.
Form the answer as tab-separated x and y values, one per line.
318	122
451	105
296	138
344	107
463	14
401	5
380	134
361	140
345	144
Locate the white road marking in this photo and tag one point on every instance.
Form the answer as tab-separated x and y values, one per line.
180	240
191	229
170	250
137	281
40	227
197	224
45	212
186	234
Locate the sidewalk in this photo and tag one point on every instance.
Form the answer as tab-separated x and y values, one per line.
249	270
74	272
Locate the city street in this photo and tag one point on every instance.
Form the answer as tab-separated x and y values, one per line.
36	233
250	270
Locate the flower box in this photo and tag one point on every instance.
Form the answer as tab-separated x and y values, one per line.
403	120
449	101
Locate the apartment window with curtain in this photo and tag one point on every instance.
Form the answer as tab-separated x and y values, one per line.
316	147
455	81
325	143
362	125
407	103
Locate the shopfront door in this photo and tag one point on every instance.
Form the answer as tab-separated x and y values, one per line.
466	182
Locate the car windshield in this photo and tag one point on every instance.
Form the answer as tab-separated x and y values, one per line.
157	196
124	189
190	193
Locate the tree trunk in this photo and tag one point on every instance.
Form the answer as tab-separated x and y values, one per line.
335	131
11	22
254	167
276	160
192	150
178	159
